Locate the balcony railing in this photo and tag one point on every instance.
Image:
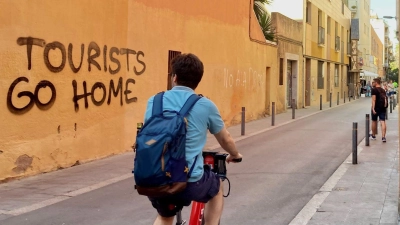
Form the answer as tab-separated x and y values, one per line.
321	35
337	43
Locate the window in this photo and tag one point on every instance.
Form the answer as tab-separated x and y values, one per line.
321	30
281	71
319	18
328	25
336	29
308	12
343	8
171	56
320	75
336	79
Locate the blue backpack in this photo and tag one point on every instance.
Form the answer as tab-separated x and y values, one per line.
160	163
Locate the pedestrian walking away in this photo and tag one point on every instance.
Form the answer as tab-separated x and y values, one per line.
369	87
378	109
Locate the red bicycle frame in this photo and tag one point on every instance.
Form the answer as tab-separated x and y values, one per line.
217	163
196	215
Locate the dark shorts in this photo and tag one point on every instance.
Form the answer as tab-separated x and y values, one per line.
201	191
380	114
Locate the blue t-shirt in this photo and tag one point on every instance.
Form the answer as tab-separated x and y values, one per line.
202	117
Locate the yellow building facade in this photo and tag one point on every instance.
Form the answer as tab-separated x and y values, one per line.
76	76
326	50
376	53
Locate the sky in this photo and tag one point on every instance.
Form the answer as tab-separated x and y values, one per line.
386	8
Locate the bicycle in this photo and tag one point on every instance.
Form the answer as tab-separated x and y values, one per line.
217	161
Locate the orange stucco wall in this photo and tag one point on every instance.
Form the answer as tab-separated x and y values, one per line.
62	105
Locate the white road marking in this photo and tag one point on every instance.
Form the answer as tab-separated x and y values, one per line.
308	211
65	196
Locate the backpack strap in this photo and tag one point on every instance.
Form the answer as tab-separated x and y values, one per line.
192	167
158	104
189	104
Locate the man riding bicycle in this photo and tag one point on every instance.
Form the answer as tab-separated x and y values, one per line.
203	185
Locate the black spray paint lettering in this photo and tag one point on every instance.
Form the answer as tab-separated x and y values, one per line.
93	54
71	63
29	42
114	60
52	46
98	85
33	97
91	58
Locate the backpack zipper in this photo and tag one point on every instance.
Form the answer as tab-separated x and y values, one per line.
162	156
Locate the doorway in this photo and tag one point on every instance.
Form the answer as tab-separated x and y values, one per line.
307	93
289	83
328	81
268	91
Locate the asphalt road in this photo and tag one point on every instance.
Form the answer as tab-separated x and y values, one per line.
281	171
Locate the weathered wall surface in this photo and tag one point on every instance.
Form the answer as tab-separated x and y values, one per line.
75	76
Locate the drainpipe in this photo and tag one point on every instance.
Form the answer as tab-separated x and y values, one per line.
303	47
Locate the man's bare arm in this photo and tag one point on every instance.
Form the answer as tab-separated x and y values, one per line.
228	144
373	102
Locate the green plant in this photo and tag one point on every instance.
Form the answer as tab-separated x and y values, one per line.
267	28
264	18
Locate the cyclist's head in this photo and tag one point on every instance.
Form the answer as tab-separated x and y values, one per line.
188	70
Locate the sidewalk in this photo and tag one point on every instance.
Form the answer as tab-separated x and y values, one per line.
365	193
26	195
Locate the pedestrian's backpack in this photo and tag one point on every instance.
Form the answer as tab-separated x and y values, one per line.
383	99
160	167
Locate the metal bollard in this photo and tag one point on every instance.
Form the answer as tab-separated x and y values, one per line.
344	97
367	130
354	143
338	98
243	120
273	114
293	108
330	100
349	98
390	105
320	102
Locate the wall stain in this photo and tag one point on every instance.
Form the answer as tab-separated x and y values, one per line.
22	164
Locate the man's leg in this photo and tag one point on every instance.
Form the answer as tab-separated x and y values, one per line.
383	128
213	209
374	127
163	220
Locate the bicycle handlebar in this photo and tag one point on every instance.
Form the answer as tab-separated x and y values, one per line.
237	160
